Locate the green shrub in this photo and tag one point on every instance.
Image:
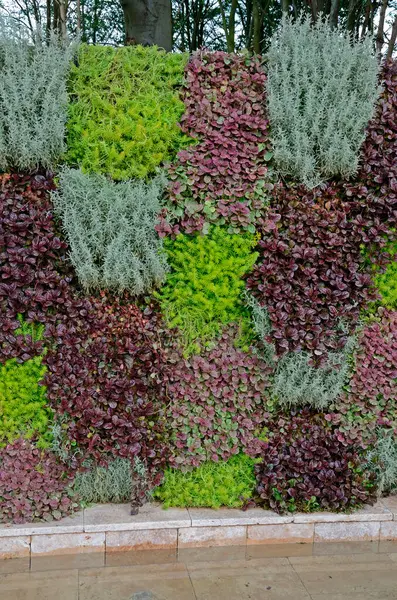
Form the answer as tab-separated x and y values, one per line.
23	408
33	100
105	484
211	485
124	110
322	89
203	290
382	461
110	228
387	282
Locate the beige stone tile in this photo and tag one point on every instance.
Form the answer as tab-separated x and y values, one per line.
194	537
388	531
391	504
339	561
326	549
15	565
278	550
349	577
280	534
73	524
393	556
152	539
144	557
346	532
67	543
387	546
116	517
68	561
369	595
207	517
215	553
51	585
378	512
265	578
14	547
165	582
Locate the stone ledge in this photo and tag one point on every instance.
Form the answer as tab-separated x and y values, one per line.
155	527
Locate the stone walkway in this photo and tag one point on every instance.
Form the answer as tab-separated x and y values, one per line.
332	571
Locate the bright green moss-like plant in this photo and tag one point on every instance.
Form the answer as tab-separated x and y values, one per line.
387	282
23	408
322	89
203	290
211	485
110	228
33	99
124	110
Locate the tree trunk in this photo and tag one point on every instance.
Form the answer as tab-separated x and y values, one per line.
392	41
380	36
148	22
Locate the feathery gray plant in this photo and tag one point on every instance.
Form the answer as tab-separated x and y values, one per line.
321	90
382	461
105	484
298	383
110	228
295	381
33	98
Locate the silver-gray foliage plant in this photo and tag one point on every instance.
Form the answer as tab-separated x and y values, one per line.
110	228
112	483
321	89
382	461
33	98
296	381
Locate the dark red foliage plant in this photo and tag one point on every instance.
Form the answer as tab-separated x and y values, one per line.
312	274
305	467
34	485
105	377
223	177
34	272
377	177
218	404
371	398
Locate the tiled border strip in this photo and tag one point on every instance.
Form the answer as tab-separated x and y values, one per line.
110	528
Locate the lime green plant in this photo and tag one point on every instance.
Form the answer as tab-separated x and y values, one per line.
124	110
23	408
387	282
203	291
211	485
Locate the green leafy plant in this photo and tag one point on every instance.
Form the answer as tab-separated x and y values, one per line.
124	110
110	228
203	290
33	99
322	88
210	485
387	282
23	407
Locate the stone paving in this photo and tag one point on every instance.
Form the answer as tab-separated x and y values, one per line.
317	571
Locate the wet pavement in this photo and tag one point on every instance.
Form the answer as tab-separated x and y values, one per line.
334	571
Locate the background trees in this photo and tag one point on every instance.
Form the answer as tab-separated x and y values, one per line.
216	24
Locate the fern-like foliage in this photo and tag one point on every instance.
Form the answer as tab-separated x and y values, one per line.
33	99
110	228
203	291
124	110
322	87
